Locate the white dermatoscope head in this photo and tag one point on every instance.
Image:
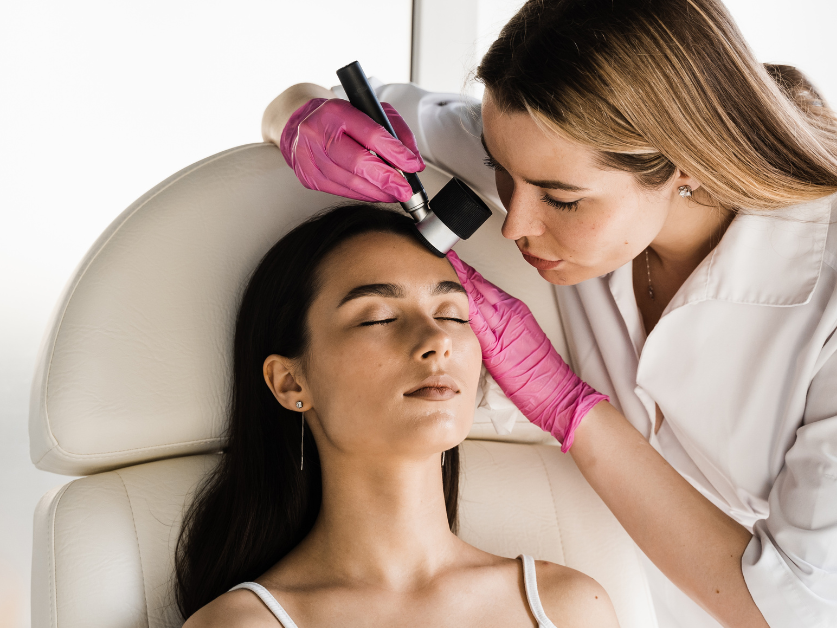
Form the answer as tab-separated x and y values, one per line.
455	213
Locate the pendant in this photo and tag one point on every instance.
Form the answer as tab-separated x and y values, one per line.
651	292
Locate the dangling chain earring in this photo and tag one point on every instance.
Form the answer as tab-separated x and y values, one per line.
443	458
302	437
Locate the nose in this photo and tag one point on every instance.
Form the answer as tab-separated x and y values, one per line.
432	341
523	217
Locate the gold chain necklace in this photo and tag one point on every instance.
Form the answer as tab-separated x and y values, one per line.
648	268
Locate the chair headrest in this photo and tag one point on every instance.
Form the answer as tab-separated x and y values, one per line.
135	362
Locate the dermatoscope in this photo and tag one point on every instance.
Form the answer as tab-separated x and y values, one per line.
455	213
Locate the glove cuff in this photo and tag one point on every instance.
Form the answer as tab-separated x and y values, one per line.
287	142
587	399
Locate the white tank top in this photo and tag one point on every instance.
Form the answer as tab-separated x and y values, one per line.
530	581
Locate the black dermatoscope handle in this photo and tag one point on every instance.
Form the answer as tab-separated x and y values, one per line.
362	97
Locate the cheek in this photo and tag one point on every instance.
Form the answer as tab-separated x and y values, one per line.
351	386
472	353
468	365
598	240
612	231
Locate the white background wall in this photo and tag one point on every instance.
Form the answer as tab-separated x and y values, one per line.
102	100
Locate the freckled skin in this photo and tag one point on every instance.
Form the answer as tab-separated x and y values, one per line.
616	218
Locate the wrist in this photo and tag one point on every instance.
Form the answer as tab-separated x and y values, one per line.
589	400
290	134
603	432
280	110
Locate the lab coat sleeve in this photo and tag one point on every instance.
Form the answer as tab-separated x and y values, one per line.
790	565
447	128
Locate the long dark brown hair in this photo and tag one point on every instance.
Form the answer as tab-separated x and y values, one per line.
656	85
257	504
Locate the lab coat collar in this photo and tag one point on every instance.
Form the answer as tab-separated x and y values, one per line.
771	258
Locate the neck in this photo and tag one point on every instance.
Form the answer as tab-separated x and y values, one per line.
383	522
692	229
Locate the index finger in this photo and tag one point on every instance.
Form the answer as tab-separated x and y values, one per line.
365	131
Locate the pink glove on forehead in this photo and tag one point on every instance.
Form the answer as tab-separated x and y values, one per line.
327	143
522	360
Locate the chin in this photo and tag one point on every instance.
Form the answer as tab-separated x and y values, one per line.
561	277
448	427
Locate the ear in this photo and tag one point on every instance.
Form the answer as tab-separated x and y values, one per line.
280	376
681	178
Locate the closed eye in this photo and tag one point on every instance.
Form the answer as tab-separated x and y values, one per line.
558	204
380	322
439	318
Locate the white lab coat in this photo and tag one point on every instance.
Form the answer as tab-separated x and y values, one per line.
743	364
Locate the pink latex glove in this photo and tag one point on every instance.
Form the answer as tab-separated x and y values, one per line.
327	143
522	360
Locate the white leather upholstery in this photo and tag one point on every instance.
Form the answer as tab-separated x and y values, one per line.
104	544
134	371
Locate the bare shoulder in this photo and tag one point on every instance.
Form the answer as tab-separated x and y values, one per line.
573	599
236	609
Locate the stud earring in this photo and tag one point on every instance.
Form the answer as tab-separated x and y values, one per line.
685	191
299	405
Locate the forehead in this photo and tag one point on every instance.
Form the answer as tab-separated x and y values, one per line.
373	258
515	137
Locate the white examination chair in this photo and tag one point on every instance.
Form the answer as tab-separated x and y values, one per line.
132	384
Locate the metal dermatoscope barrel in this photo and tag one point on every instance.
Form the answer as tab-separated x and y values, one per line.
455	213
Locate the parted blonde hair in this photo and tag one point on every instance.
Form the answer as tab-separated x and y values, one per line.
657	85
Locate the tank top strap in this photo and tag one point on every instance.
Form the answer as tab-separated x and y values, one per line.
269	601
530	582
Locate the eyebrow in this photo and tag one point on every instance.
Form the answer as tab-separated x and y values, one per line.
396	291
547	184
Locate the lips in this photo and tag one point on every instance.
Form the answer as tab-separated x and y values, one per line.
435	388
540	263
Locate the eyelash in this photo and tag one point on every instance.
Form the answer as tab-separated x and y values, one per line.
558	204
389	320
489	161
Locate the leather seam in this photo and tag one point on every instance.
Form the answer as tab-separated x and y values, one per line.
53	608
554	507
118	452
136	536
81	275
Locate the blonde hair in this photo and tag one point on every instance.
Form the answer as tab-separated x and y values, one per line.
657	85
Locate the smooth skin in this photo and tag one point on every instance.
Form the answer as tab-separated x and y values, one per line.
381	552
610	222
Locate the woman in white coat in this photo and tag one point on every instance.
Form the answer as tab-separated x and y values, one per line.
681	197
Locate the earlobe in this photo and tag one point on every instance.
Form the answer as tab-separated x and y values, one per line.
684	180
280	379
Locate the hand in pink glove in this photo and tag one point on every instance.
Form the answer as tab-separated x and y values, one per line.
522	360
327	143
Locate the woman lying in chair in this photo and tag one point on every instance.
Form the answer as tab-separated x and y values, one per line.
354	378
